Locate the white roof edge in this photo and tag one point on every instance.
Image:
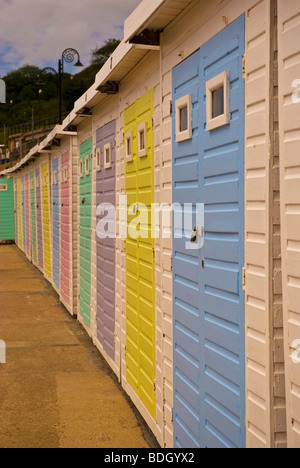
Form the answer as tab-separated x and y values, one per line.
58	130
102	76
140	16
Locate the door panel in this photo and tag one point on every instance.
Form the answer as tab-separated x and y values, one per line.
23	214
65	230
33	216
39	223
140	267
46	217
85	233
20	213
209	338
106	193
27	215
55	223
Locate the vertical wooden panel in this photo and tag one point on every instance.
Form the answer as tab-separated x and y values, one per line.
106	194
65	254
140	268
46	217
289	133
85	227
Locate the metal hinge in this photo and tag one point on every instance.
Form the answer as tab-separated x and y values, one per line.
172	415
244	279
171	107
171	263
244	67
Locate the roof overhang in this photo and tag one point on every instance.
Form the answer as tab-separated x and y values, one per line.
152	16
45	147
107	80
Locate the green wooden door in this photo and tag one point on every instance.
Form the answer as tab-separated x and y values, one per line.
85	238
7	218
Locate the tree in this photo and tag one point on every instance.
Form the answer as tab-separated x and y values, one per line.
102	54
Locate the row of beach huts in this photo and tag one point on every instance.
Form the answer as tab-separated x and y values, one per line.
165	212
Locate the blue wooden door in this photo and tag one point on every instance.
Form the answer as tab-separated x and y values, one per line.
56	223
208	169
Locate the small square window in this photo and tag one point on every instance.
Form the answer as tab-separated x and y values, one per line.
65	174
217	101
107	156
81	166
128	146
3	188
32	185
183	118
87	165
142	140
98	159
54	178
37	181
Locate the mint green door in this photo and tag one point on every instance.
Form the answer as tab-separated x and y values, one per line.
7	217
85	238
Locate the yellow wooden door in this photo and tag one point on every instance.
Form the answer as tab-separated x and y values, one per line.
140	267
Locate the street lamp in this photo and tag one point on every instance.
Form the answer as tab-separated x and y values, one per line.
67	56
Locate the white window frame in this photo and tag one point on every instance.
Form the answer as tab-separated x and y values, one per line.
142	129
129	137
81	167
87	165
107	147
3	187
98	159
65	174
185	101
54	178
212	85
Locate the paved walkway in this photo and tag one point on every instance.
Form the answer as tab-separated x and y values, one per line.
55	389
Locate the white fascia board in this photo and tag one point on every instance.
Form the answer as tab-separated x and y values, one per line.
116	58
139	18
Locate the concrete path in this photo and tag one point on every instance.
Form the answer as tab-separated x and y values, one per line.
55	388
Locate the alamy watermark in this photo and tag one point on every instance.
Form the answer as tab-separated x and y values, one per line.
296	353
2	352
139	221
296	93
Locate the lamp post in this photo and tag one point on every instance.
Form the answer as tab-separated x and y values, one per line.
67	56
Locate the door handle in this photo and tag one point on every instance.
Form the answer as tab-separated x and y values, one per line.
197	232
194	235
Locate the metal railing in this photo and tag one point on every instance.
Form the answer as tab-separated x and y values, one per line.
33	126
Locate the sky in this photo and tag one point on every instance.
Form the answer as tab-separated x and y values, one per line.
36	32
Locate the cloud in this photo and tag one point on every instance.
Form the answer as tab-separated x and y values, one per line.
37	31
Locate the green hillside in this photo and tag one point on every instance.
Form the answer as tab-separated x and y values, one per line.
33	94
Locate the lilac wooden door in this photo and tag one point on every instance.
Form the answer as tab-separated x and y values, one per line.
106	193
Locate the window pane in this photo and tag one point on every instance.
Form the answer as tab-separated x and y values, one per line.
218	102
142	140
129	147
107	156
183	119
